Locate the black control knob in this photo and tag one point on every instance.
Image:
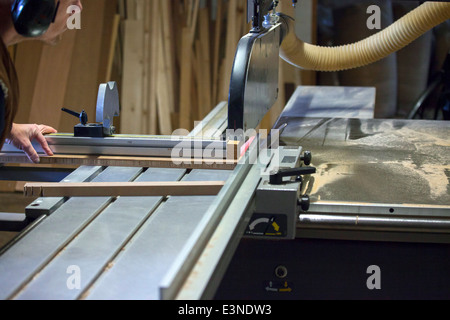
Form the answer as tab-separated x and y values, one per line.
307	158
304	203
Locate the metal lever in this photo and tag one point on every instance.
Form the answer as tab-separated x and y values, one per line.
277	177
82	116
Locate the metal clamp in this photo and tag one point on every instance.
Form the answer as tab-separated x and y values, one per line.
108	107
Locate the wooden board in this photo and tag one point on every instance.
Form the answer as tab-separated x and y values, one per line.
131	99
130	189
28	57
89	61
52	81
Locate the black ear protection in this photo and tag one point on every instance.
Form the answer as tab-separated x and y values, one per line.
32	18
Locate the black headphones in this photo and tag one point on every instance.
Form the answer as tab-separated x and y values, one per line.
32	18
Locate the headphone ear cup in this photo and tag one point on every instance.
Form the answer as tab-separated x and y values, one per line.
14	6
32	18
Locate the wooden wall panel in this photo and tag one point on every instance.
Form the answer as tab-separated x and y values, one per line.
89	61
171	59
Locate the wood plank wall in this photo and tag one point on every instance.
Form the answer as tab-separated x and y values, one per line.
177	59
172	60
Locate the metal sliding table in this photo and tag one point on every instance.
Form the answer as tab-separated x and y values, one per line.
122	247
131	247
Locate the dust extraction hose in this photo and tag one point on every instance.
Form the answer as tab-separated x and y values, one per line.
365	52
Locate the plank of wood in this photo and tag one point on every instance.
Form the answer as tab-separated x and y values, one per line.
121	161
128	189
230	48
131	9
151	49
193	22
147	91
169	49
87	65
204	62
112	47
140	4
28	57
131	113
121	8
163	86
8	186
216	53
186	79
52	81
108	40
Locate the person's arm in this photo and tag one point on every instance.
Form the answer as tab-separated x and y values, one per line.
21	136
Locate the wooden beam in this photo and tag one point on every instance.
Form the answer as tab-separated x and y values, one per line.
51	85
88	63
216	53
131	114
231	42
186	79
129	189
163	85
27	61
123	161
112	47
204	64
152	67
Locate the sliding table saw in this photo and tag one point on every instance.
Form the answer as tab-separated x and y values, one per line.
379	197
308	210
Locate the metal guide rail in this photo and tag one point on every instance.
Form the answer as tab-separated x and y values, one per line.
126	145
205	145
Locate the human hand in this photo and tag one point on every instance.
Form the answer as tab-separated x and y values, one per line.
21	136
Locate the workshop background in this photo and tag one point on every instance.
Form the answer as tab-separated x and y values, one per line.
172	60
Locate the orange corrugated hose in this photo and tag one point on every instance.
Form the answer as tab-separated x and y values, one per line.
370	50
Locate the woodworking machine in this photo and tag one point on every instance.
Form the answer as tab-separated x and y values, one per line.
305	211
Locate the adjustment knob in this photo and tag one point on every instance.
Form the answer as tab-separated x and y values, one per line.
304	203
307	158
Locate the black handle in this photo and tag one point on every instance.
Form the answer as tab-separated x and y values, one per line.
82	116
277	177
